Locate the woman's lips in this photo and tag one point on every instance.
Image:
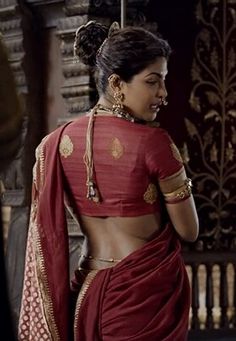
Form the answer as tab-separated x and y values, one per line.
154	107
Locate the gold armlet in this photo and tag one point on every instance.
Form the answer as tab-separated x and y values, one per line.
181	193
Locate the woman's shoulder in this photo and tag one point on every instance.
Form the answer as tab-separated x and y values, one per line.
65	127
52	136
162	152
159	135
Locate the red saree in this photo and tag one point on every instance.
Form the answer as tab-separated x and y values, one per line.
143	298
45	299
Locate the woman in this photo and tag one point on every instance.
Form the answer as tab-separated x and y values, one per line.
114	166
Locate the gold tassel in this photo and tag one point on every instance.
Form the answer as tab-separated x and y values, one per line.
92	190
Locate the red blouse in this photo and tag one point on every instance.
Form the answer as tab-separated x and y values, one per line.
129	160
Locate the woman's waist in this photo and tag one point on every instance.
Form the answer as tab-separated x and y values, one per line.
162	246
118	232
106	247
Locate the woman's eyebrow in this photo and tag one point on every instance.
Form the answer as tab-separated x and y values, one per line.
159	75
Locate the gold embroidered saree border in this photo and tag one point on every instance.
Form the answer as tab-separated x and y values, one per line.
85	286
47	305
46	301
36	296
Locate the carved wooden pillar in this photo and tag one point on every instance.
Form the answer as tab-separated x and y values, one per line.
76	90
13	179
21	30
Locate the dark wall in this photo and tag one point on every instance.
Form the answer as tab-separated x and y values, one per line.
177	24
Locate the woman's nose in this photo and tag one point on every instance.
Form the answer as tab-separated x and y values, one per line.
162	92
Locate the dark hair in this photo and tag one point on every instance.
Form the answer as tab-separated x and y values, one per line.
125	52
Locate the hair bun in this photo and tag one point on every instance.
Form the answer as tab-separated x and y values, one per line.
88	39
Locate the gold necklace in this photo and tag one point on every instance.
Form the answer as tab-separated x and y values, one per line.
118	112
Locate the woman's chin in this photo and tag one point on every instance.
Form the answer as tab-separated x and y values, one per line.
151	117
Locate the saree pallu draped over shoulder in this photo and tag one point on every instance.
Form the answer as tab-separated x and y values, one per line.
45	303
145	297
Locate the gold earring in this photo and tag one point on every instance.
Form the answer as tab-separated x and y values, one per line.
118	99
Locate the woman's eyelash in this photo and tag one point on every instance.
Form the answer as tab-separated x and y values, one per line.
151	82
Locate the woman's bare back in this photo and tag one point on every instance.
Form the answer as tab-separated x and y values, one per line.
113	238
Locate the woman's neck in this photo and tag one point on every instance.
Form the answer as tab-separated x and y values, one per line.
108	103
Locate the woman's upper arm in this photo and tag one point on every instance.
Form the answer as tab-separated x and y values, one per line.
180	205
166	164
184	218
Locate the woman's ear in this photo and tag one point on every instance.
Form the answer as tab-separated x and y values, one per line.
114	82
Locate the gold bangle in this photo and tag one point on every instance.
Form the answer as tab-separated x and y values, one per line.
181	192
